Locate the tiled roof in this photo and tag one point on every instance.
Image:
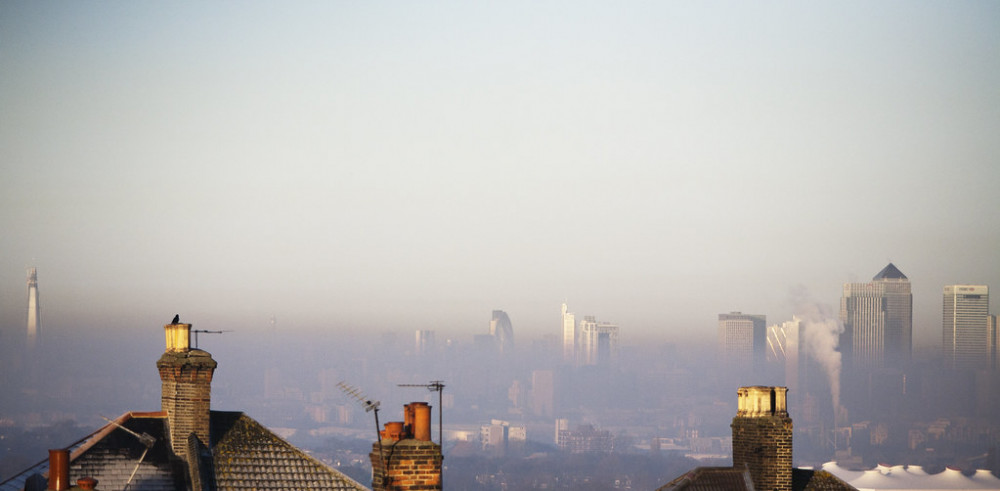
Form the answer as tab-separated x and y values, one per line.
248	456
245	456
813	480
711	479
118	458
731	479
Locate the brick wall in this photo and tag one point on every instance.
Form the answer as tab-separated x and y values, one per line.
408	465
763	444
186	396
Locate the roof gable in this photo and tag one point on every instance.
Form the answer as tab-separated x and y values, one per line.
246	455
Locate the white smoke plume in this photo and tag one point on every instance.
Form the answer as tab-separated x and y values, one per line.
820	337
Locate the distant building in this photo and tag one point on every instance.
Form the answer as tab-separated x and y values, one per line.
501	329
568	336
499	436
424	342
878	322
34	310
542	393
783	351
967	340
742	341
585	439
598	342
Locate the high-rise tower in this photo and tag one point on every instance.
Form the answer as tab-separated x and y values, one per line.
34	312
501	329
598	342
743	340
966	327
568	336
878	322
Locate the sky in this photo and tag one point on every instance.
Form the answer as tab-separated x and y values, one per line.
392	166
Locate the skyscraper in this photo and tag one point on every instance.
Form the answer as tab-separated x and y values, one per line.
742	340
424	342
34	312
598	342
501	329
783	351
568	336
878	321
966	327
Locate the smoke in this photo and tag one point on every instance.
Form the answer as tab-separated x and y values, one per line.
820	336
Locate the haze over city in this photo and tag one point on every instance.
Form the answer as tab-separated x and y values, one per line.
370	168
316	182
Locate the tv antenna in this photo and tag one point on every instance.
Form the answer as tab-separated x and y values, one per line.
370	406
145	439
434	386
205	331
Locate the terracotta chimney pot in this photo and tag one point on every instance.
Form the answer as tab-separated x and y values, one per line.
59	469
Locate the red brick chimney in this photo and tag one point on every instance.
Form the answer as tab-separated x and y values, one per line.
186	376
407	459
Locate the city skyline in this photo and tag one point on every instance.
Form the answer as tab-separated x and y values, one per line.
399	167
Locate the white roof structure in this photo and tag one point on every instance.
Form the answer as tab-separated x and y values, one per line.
912	477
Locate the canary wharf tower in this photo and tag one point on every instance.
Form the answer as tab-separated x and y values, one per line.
34	314
878	321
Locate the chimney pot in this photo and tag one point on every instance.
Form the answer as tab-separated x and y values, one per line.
421	421
86	483
394	430
59	469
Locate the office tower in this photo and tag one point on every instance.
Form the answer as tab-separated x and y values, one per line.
783	351
878	322
568	336
598	342
966	331
424	342
501	329
34	312
742	340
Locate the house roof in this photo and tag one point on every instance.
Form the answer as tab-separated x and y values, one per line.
244	456
732	479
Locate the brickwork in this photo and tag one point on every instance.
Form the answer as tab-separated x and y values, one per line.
186	396
762	438
412	465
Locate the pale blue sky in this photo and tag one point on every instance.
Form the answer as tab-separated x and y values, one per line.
405	165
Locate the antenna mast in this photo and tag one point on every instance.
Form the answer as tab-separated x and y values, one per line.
196	331
369	406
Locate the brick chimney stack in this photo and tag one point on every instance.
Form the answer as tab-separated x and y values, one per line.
762	437
186	376
407	459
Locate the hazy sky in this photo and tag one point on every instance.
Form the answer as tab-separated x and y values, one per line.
405	165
